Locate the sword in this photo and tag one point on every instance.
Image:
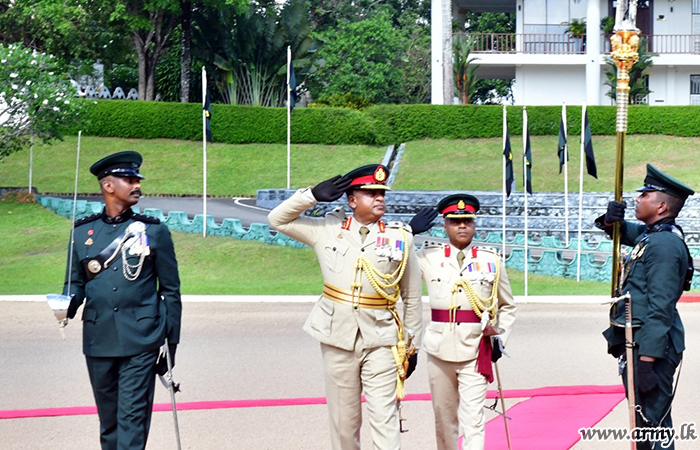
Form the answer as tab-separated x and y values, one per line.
629	354
57	302
173	387
503	403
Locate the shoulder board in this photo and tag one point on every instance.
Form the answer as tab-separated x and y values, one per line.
145	219
87	219
432	245
398	224
493	251
338	212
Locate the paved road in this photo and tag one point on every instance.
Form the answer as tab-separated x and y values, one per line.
234	351
221	208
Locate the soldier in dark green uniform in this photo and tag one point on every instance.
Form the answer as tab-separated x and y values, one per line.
655	274
126	272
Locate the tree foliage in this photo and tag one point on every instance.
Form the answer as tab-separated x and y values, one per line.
249	49
464	68
638	86
37	99
373	59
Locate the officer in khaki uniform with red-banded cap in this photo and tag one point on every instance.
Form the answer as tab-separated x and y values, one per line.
471	306
367	266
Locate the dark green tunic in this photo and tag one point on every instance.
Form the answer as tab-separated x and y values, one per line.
655	279
122	317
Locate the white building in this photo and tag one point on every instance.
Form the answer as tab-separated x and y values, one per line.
551	67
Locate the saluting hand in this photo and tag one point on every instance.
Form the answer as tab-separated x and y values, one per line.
331	189
423	220
615	212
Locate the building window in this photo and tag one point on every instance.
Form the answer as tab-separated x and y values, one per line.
695	89
696	7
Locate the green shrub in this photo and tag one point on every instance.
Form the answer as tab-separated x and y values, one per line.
375	125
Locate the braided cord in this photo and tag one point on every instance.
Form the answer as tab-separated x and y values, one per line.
478	303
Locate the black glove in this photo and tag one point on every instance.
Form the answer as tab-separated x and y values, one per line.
422	221
412	363
646	378
615	212
496	353
331	189
162	361
73	306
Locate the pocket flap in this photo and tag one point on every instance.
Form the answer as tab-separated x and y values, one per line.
337	247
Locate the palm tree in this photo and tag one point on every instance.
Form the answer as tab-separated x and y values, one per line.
638	87
463	67
250	50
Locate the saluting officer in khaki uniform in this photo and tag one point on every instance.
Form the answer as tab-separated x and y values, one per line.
367	266
471	307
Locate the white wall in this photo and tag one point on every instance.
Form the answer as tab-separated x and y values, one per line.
567	84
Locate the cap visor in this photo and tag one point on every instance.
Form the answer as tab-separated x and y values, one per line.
645	189
375	186
460	216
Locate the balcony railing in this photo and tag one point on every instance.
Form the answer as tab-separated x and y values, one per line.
564	44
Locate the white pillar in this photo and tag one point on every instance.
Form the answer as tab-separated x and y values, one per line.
436	63
447	75
593	53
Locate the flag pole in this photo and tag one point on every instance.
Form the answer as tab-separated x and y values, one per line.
580	193
503	238
525	193
31	160
289	116
204	149
566	176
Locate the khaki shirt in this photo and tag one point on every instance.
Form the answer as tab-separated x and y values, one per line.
338	251
460	342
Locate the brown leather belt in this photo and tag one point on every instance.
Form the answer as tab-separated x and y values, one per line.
458	316
344	297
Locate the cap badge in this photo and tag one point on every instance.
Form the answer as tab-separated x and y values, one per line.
380	174
461	205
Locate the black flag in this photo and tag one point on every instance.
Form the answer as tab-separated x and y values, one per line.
508	155
562	145
588	148
292	87
528	162
207	115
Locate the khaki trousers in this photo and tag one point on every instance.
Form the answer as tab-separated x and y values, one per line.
458	393
348	373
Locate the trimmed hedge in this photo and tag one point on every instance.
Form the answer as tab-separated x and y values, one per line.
377	125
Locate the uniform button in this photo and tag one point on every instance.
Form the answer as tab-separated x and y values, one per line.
114	289
116	309
363	250
114	268
114	226
333	248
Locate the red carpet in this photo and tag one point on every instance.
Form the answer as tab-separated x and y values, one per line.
550	422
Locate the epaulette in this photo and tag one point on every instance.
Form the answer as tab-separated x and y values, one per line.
398	224
145	219
337	213
87	219
487	249
432	244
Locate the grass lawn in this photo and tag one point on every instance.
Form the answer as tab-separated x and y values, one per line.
34	251
175	167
